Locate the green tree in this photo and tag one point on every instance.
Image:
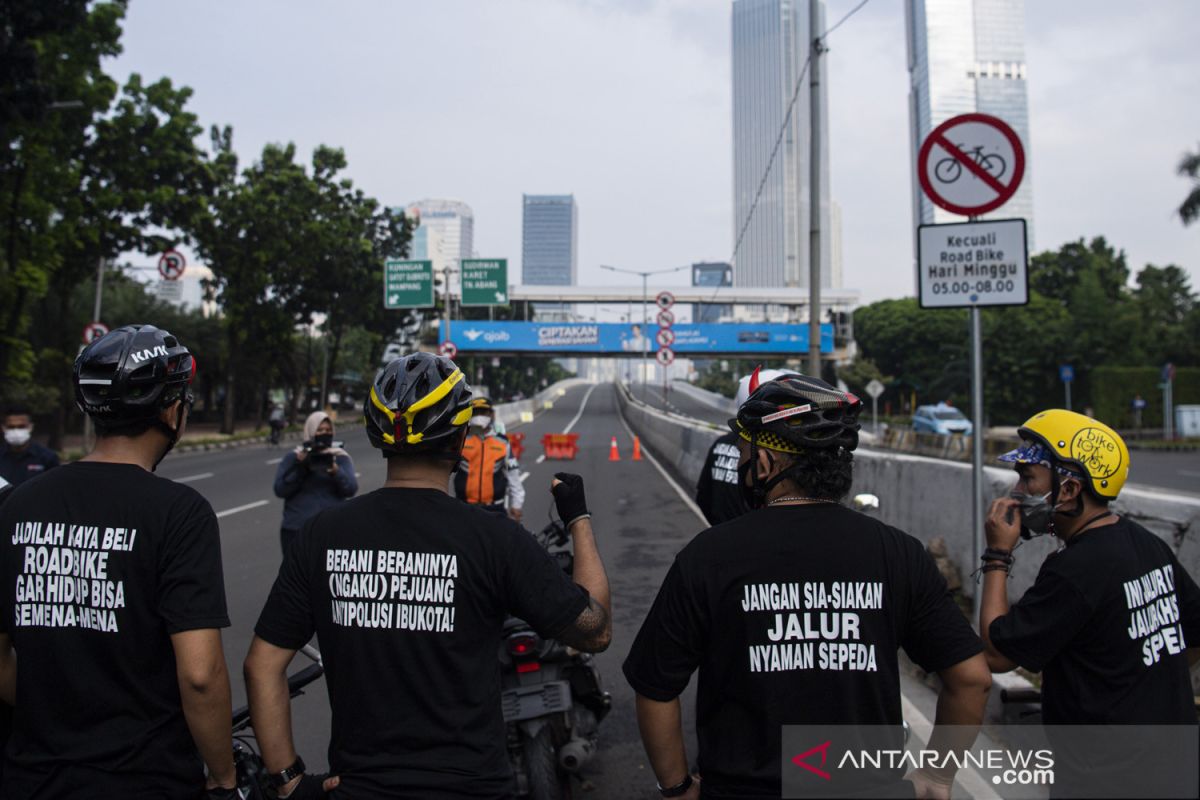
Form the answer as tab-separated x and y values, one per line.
1163	302
861	372
87	185
1189	167
924	349
253	233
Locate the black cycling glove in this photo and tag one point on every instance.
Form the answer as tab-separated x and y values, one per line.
569	498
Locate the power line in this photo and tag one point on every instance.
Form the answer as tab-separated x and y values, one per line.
839	23
817	44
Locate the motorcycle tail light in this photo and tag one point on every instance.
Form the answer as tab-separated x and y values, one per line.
522	645
528	666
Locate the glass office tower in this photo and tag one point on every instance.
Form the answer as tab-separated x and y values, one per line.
770	43
967	56
549	240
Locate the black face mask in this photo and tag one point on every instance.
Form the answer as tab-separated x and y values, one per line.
323	441
749	496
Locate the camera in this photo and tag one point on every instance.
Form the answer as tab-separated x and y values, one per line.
319	450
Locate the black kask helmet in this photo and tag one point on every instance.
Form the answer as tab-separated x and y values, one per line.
131	374
418	403
794	413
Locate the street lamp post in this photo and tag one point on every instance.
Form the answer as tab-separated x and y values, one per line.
645	275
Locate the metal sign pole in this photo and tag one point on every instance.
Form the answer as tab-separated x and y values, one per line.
645	328
1068	383
977	441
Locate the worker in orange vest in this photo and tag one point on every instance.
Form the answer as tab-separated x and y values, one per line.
488	473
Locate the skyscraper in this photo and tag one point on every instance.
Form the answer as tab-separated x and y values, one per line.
549	240
771	43
967	56
446	234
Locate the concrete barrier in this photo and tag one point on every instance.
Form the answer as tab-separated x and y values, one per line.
510	413
717	401
927	497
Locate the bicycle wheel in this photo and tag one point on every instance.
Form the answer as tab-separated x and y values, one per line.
993	165
947	170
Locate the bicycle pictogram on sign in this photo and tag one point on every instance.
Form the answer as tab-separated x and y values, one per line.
971	164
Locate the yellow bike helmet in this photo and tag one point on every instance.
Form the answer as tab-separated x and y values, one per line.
1084	445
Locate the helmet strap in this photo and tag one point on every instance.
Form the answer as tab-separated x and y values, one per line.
172	438
171	433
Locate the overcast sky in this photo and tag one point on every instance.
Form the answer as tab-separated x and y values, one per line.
626	104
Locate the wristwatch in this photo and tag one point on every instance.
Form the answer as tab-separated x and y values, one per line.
678	790
280	779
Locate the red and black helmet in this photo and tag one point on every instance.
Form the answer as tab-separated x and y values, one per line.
794	413
131	374
418	403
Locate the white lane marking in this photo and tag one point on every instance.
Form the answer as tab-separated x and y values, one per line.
237	509
274	460
687	500
1190	473
582	406
922	729
540	458
523	476
191	478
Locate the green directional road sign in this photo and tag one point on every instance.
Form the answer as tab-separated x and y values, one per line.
407	284
484	281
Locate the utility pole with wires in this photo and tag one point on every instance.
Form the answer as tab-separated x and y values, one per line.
812	62
814	190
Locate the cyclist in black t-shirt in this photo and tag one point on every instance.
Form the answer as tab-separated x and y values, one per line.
793	614
1085	620
112	597
718	490
407	590
1112	616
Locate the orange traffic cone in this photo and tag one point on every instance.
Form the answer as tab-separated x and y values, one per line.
613	455
637	449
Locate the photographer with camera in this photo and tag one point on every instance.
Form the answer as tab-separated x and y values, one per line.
316	475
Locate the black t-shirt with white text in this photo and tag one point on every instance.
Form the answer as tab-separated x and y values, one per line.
1108	623
793	616
718	491
407	591
99	565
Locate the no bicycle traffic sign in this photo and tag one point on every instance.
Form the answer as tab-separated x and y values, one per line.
971	164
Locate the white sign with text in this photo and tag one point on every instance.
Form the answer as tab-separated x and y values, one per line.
967	264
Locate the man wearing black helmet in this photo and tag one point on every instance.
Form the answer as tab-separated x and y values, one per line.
407	589
112	594
793	612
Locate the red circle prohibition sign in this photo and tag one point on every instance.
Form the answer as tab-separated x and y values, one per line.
1004	191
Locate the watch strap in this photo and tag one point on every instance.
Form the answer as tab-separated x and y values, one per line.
281	779
679	789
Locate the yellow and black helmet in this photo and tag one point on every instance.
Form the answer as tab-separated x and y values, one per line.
482	405
1080	444
418	404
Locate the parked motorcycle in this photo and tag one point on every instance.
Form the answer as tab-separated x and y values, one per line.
551	697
